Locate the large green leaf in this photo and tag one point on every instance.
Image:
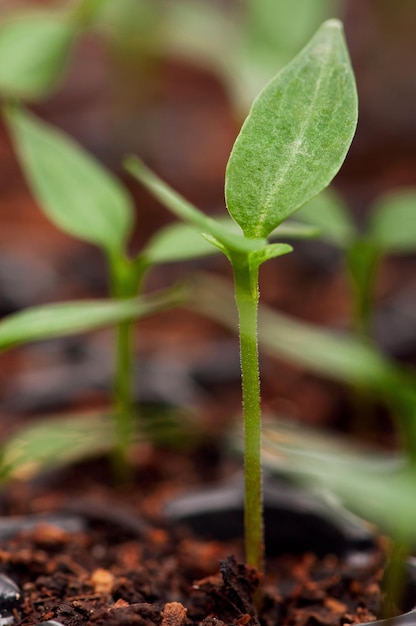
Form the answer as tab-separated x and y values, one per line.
72	188
34	51
393	222
53	320
295	137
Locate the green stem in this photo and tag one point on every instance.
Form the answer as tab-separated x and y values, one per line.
394	579
401	395
362	262
126	277
123	383
246	294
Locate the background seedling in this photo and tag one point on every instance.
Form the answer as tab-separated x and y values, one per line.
290	147
254	38
84	200
390	230
35	47
77	194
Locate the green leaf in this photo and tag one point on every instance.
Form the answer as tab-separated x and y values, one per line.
294	230
72	188
54	320
336	355
55	442
328	212
281	26
34	51
185	211
379	489
59	441
271	251
393	222
190	28
283	439
181	242
273	32
295	137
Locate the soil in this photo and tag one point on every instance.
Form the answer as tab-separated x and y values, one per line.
127	566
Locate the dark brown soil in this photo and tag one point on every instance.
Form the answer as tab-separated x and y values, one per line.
128	567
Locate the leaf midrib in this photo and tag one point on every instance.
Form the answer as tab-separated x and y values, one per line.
258	232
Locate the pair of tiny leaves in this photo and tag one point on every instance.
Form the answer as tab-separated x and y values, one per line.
293	142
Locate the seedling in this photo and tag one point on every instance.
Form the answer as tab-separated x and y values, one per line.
390	229
35	46
291	145
253	39
84	200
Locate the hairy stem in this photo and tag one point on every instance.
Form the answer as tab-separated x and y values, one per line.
247	305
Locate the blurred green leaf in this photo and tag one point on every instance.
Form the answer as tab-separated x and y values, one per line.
181	242
59	441
72	188
272	33
282	26
378	487
134	25
285	440
34	51
338	356
54	320
55	442
328	212
294	230
191	27
392	224
293	141
187	212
